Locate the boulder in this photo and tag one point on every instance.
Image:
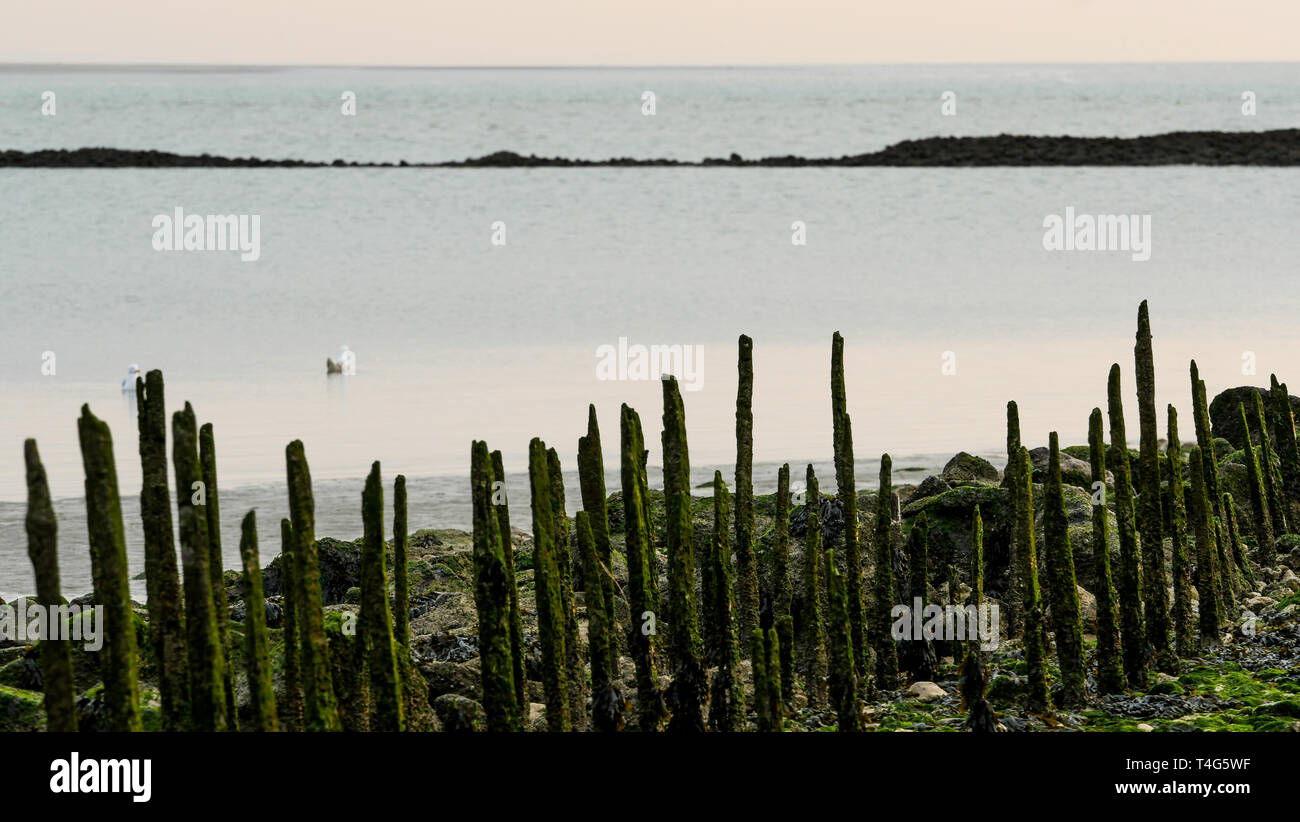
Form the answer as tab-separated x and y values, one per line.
964	467
458	714
1225	419
926	691
1074	472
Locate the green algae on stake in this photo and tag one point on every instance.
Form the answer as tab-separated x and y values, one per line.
1184	624
606	702
502	505
109	569
291	715
206	661
492	600
401	584
1272	479
846	486
727	705
1110	669
1258	495
576	676
550	607
42	548
1150	521
882	642
1013	595
212	512
375	618
684	696
813	646
591	479
1064	592
1023	502
1284	440
1207	578
641	573
783	593
746	561
261	688
1133	637
162	579
320	709
843	676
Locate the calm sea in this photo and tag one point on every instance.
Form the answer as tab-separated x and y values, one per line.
457	338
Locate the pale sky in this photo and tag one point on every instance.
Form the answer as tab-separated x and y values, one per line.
645	32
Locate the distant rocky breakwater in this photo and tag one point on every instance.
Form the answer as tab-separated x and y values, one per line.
1279	147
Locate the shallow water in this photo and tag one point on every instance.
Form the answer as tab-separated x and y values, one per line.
458	339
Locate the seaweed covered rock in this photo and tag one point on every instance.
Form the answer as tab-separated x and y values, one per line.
964	467
1074	471
1226	420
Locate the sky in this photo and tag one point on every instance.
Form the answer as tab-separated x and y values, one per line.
638	32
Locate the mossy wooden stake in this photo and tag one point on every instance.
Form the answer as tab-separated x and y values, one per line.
291	716
575	676
980	717
1284	441
550	603
1014	596
1205	440
846	487
746	561
727	705
1132	625
1228	583
206	660
775	709
216	571
492	600
813	645
375	618
882	642
1268	465
1263	523
109	570
976	581
1035	652
501	505
261	689
320	709
918	656
685	695
641	573
843	678
1155	586
1065	593
1184	622
591	478
401	582
162	579
1236	550
758	664
606	701
42	548
1207	577
1110	660
782	590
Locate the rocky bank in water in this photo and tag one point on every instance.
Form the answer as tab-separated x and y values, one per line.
1280	147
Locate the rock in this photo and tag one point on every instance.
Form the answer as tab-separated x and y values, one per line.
352	596
1074	472
1257	602
1087	609
929	487
1145	728
926	691
460	678
964	467
536	717
1225	419
458	714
